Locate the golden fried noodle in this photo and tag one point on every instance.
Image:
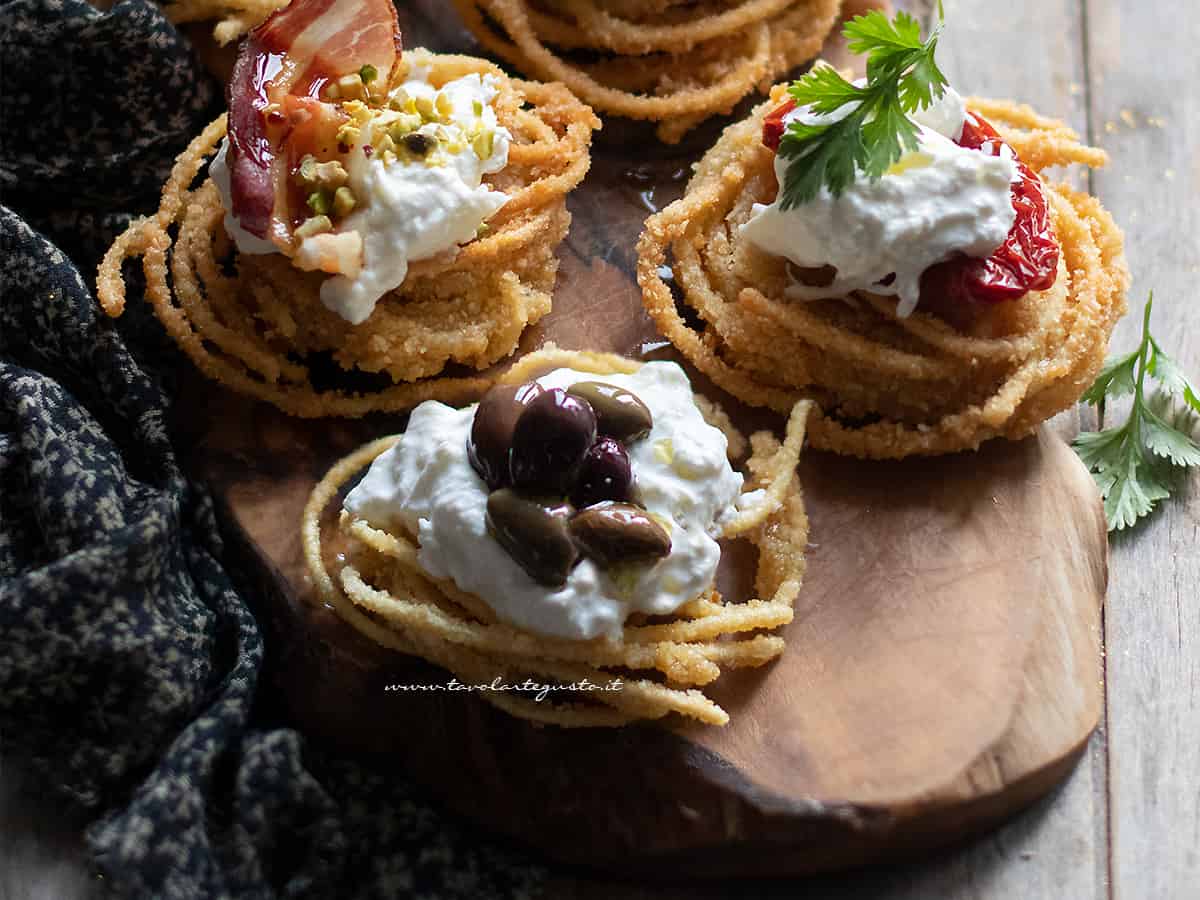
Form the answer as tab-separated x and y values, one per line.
379	588
675	62
234	17
887	387
251	329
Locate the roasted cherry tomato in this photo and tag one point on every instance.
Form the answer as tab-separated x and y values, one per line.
1026	261
1028	258
773	124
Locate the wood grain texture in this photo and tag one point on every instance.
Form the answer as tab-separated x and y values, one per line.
1145	109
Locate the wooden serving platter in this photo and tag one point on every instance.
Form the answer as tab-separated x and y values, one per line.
942	672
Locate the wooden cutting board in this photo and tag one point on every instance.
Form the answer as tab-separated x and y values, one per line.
942	672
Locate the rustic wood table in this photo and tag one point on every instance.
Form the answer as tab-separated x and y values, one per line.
1126	824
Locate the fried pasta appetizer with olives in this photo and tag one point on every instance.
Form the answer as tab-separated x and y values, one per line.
674	62
885	251
564	531
392	213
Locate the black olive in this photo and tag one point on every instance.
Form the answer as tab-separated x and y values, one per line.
549	441
492	430
535	534
616	533
604	474
619	414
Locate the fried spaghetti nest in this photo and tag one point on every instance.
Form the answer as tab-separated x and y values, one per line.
253	329
234	17
675	62
887	387
380	589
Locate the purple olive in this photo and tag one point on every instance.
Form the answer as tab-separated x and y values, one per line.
604	474
549	441
619	413
614	534
492	430
535	534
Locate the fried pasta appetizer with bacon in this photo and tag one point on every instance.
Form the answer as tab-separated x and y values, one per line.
564	532
893	253
395	213
674	62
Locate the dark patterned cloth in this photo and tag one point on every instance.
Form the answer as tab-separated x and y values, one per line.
128	660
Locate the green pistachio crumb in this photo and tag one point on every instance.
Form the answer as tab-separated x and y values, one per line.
399	100
484	144
444	106
307	173
318	202
343	202
425	109
477	107
351	87
314	225
368	73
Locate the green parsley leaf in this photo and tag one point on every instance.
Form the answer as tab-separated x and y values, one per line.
1134	464
1166	372
869	127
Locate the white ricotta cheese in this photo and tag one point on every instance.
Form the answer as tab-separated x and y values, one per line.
682	475
937	201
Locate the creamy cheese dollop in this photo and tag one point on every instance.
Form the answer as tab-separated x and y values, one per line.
682	475
934	202
407	209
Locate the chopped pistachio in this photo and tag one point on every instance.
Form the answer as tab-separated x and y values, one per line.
484	144
402	125
357	110
307	173
331	92
477	108
483	230
312	174
332	174
425	109
348	134
368	73
343	202
314	225
444	106
386	144
351	87
318	202
399	101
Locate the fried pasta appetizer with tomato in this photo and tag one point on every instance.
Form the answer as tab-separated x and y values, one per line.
564	531
674	62
893	253
394	213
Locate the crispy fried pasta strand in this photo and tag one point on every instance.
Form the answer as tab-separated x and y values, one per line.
672	63
380	589
253	330
886	387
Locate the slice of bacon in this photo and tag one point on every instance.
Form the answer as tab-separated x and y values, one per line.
283	65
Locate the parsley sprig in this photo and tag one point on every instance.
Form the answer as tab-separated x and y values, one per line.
902	77
1134	463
